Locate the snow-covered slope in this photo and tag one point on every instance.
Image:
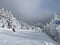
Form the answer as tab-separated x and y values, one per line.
8	37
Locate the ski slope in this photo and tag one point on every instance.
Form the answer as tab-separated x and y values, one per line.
24	37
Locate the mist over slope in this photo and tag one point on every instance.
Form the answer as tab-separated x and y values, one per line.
7	20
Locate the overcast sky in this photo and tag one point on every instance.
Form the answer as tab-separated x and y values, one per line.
32	10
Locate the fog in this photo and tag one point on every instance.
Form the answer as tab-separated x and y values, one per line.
32	11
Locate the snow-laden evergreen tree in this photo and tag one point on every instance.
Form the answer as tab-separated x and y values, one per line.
51	28
7	19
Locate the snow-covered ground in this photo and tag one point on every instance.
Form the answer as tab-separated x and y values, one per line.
27	37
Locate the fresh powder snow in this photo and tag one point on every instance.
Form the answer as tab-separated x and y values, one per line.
21	37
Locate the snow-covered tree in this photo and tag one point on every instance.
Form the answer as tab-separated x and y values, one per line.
7	18
51	30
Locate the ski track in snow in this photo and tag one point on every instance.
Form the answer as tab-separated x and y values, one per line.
24	38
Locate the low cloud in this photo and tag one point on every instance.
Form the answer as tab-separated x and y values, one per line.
31	10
